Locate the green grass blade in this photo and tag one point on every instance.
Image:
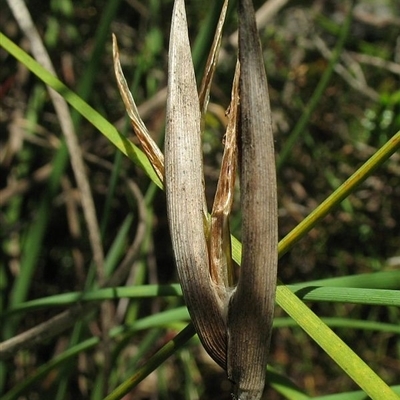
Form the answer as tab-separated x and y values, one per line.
117	247
164	353
339	194
342	354
357	395
165	318
346	323
285	386
375	297
32	245
107	129
376	280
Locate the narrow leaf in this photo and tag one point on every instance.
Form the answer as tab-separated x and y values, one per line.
212	59
150	148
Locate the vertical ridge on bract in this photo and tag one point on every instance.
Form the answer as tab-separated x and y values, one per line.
185	194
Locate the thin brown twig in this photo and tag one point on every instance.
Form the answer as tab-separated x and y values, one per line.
376	62
22	15
44	331
23	185
355	81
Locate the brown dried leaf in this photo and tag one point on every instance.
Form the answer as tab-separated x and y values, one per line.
212	60
149	146
221	264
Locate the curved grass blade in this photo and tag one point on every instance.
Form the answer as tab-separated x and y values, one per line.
149	146
97	120
344	190
212	60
